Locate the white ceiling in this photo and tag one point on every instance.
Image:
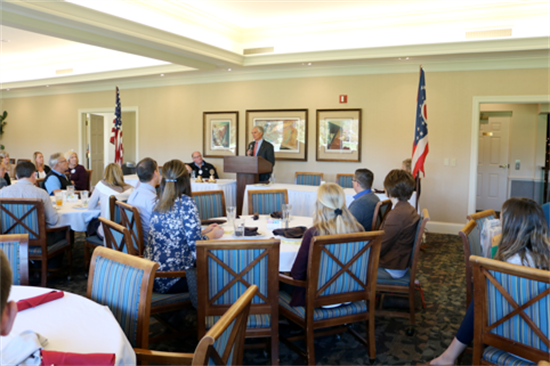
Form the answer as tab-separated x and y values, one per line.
83	41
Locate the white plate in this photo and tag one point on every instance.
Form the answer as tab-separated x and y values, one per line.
80	207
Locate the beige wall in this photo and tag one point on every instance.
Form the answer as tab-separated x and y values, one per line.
170	121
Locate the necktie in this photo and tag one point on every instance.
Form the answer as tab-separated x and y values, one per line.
255	148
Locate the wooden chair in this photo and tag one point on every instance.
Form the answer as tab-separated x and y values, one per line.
18	160
124	283
26	216
117	237
471	246
266	201
210	203
12	161
89	171
406	285
511	310
341	268
381	210
222	345
225	269
16	248
481	217
130	219
345	180
310	179
40	182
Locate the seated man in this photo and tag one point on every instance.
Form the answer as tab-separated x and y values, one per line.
8	310
144	195
399	226
364	202
201	167
56	180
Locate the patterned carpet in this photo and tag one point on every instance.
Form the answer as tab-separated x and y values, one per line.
441	273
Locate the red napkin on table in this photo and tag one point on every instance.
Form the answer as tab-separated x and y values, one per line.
62	358
31	302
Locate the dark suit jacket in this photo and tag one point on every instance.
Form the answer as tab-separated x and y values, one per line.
363	209
267	152
206	167
399	231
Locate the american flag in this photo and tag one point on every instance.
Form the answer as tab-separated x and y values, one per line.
116	132
420	145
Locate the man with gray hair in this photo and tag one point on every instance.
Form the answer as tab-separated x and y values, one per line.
364	202
56	180
261	147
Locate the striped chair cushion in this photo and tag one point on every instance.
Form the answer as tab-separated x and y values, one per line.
475	244
345	181
36	250
254	321
499	357
344	283
356	307
96	240
266	203
6	221
521	290
163	299
209	205
11	249
221	344
308	179
117	286
236	259
403	281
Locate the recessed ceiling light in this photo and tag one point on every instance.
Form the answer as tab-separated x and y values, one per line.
161	75
228	69
407	58
309	64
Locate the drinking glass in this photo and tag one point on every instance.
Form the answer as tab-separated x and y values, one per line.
239	227
84	198
59	199
231	214
70	191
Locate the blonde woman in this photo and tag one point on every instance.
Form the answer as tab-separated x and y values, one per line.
112	184
41	169
175	227
77	173
331	217
10	168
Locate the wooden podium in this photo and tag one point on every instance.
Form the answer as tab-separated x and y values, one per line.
247	168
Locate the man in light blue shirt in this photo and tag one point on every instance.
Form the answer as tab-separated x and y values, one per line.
56	180
144	195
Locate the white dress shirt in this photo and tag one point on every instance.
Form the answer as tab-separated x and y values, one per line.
144	197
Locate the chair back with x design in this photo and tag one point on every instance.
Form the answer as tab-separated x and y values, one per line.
225	270
117	237
20	216
511	306
130	219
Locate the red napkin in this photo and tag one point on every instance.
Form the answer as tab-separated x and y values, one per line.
31	302
62	358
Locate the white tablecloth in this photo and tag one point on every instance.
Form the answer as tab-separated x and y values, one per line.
228	186
71	324
77	219
289	247
303	197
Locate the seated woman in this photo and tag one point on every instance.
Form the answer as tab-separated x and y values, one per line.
399	226
10	168
331	216
524	242
175	227
112	184
41	169
77	173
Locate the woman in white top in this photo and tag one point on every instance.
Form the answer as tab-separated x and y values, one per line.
41	169
524	242
112	184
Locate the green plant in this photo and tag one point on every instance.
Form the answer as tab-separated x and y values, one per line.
3	117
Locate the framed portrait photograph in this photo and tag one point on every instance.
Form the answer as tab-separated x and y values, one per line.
339	135
286	130
220	137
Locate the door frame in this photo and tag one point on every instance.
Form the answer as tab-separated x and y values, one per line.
474	141
81	149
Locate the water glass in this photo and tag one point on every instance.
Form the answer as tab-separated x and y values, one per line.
59	199
70	191
231	214
239	227
84	198
286	219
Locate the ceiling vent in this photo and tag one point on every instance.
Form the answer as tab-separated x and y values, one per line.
64	71
489	33
255	51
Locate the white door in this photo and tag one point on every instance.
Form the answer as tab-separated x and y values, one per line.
492	169
96	147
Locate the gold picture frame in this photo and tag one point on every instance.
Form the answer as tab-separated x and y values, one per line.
338	136
220	134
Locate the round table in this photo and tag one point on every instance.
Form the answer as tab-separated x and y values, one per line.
71	324
289	247
77	219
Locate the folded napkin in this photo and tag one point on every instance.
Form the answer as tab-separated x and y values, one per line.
92	359
276	215
24	349
31	302
291	232
213	221
251	231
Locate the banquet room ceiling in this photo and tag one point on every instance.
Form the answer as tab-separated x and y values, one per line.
87	42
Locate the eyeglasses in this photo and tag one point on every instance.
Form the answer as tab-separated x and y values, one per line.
353	180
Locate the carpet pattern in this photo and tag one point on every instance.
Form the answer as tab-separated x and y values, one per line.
441	274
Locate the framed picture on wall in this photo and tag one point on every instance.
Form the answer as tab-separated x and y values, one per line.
285	129
220	137
338	135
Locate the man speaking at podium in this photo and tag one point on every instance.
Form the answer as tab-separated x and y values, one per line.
260	147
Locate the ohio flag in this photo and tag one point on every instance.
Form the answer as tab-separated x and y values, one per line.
420	145
116	132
